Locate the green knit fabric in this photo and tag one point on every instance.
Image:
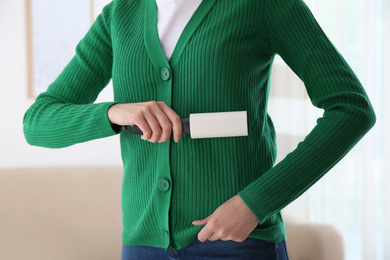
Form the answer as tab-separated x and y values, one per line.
222	62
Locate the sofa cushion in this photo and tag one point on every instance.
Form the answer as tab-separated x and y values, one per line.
61	213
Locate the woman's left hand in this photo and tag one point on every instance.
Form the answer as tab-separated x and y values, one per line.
233	220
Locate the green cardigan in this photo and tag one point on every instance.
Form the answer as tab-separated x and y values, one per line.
222	62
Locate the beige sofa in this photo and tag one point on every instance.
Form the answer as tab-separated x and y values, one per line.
74	213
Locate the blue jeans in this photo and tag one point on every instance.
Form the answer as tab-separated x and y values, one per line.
249	249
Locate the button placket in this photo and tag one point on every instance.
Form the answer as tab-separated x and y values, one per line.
164	182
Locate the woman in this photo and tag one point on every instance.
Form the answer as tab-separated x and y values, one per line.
168	59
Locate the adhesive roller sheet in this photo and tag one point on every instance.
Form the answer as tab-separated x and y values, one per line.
222	124
209	125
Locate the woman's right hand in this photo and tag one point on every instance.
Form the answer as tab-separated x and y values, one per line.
155	119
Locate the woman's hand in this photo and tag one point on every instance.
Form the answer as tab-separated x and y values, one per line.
233	220
155	119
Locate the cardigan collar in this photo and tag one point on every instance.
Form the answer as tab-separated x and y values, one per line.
152	40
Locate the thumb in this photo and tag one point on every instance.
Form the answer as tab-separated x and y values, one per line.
200	222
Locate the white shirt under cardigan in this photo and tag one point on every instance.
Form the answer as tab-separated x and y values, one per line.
172	17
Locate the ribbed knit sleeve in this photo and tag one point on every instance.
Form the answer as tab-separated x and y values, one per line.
65	114
332	86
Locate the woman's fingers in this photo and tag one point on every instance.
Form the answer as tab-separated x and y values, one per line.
161	120
174	119
152	112
155	119
144	124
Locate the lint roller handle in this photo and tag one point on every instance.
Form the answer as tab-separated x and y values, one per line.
135	130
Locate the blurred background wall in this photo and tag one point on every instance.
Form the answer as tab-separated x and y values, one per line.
15	100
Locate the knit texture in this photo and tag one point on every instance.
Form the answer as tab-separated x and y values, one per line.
222	62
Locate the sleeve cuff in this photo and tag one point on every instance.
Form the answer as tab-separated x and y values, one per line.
253	203
103	123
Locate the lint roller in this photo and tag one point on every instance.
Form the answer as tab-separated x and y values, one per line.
208	125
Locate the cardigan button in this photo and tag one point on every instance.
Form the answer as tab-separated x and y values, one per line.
163	184
165	74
